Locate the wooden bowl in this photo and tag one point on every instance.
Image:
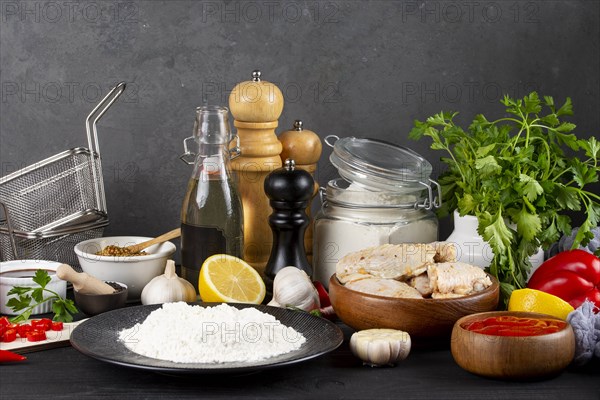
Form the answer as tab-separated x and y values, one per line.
426	320
517	358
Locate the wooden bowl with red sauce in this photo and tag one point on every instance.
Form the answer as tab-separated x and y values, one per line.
513	345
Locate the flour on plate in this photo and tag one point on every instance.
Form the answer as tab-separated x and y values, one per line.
183	333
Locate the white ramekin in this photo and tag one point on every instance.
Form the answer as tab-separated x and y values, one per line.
26	269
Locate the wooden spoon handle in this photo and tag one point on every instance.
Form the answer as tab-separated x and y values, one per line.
159	239
83	282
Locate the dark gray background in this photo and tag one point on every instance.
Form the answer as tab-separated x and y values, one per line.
349	68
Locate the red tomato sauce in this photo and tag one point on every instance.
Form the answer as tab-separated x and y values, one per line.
515	326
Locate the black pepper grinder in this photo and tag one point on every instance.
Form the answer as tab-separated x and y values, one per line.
289	191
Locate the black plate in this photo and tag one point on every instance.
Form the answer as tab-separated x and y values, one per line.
98	337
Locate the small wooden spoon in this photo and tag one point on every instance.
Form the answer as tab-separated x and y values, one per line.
135	248
83	282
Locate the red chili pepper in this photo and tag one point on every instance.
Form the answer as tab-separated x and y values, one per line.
44	324
572	275
57	326
325	310
9	356
4	321
323	295
23	329
9	335
36	335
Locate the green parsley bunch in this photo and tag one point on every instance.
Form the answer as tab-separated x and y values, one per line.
526	168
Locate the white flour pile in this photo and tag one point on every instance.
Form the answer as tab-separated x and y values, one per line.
182	333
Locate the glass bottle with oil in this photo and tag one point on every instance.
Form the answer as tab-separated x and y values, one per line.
211	216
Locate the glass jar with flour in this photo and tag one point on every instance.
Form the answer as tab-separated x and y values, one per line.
384	196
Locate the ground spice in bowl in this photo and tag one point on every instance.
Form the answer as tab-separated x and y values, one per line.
119	252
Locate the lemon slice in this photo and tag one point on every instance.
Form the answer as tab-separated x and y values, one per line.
225	278
540	302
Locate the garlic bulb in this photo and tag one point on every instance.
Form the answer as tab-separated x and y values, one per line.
292	287
376	347
168	288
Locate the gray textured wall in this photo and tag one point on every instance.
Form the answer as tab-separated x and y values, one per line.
360	68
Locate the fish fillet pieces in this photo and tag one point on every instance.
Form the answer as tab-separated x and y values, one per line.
384	287
455	279
393	261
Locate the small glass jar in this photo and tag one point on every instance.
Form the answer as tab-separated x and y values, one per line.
373	205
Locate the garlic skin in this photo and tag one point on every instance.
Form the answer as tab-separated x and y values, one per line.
378	347
293	287
167	288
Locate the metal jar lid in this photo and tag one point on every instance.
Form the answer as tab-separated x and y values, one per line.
381	166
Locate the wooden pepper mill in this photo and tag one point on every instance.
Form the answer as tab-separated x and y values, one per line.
289	190
304	147
256	106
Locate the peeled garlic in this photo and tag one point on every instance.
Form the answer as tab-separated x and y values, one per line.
292	287
168	287
377	347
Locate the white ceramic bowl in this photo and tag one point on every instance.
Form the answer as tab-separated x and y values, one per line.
20	273
134	271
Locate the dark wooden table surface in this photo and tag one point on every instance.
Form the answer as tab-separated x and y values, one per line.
431	374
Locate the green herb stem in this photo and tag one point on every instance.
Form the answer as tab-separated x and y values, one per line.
561	173
27	311
528	128
506	119
547	171
456	163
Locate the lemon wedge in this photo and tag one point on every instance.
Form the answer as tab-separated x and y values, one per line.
225	278
540	302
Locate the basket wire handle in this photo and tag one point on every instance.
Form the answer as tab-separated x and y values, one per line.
11	234
92	137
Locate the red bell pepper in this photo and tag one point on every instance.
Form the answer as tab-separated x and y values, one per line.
572	275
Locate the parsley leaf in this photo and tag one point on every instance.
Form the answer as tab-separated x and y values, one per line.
567	198
488	166
530	187
497	234
23	297
566	109
42	278
528	224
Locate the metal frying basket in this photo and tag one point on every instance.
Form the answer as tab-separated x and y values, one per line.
50	204
67	188
51	245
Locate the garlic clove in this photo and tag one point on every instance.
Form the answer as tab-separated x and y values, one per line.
377	347
273	303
